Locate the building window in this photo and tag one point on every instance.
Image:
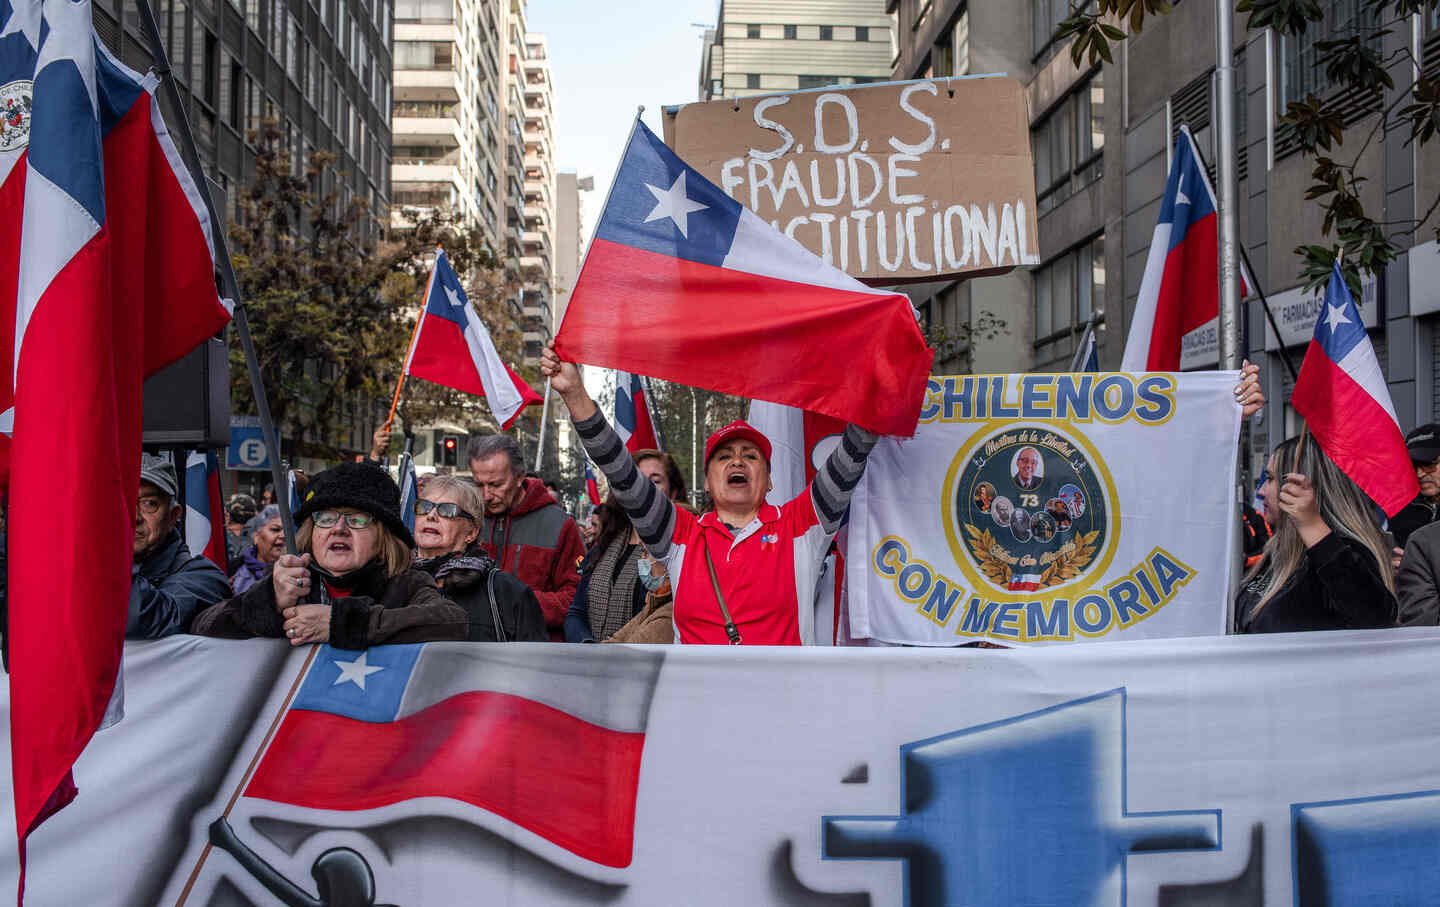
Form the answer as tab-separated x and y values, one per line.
862	33
1302	71
752	31
1068	144
827	33
440	11
1067	289
252	15
951	56
1047	16
752	80
790	32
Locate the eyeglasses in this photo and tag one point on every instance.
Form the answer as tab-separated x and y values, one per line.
1426	466
326	519
446	509
150	506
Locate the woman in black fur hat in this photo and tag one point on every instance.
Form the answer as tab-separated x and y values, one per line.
352	585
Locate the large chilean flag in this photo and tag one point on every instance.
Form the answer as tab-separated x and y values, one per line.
1342	395
106	276
1180	290
682	283
452	347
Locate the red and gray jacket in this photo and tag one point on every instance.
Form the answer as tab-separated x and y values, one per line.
538	543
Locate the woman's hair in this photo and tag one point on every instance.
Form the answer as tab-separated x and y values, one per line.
393	551
267	513
672	471
465	493
1344	507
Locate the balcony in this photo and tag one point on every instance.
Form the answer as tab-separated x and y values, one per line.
424	173
427	85
443	131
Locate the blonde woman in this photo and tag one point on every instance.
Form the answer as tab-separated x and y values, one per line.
353	585
1326	567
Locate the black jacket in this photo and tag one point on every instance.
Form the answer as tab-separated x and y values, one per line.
1416	514
1338	587
168	587
467	578
1417	579
404	608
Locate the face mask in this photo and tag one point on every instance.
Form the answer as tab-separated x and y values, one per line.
651	581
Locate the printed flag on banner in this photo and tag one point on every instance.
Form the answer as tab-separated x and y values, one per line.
682	283
1180	289
634	422
452	347
1342	395
109	277
592	488
204	515
1049	508
478	734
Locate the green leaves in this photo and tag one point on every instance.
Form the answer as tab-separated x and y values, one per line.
1288	17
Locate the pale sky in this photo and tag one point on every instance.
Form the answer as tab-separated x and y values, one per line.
607	59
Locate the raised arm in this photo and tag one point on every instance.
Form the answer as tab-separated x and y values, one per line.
652	514
835	483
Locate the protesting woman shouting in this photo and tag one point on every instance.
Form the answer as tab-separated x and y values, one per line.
745	572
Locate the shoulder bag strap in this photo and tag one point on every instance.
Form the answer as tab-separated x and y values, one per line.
494	607
730	629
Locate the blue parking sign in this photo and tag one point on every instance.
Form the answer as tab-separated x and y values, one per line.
247	445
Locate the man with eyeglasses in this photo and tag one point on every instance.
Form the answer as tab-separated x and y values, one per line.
1424	446
167	583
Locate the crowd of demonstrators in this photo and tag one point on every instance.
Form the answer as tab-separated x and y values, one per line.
1327	566
267	544
618	575
353	585
168	584
524	529
747	568
500	607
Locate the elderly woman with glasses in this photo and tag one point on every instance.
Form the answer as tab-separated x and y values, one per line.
353	585
500	607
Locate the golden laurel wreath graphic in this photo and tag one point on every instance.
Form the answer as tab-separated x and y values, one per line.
997	563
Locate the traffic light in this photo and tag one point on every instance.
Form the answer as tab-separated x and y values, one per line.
450	451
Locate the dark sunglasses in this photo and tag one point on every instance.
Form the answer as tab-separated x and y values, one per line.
446	509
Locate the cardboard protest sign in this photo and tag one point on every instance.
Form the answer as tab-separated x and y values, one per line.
893	182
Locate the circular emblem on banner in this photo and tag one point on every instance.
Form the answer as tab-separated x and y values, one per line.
15	102
1029	508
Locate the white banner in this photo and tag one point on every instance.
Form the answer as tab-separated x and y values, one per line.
1044	508
1226	770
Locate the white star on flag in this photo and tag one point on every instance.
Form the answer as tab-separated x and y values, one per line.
674	204
355	671
1335	317
454	297
1180	197
24	20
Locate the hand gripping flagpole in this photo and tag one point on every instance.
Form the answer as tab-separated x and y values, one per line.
229	287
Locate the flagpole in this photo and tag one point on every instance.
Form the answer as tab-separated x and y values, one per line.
544	417
414	336
1079	358
229	286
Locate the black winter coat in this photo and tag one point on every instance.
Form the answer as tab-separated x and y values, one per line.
380	610
468	578
1338	587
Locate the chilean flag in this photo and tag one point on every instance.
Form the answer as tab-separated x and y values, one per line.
592	488
1342	395
633	421
473	732
682	283
452	347
204	516
1180	290
106	276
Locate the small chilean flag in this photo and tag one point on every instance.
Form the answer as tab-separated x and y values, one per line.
592	488
1180	290
452	347
1342	395
204	517
485	731
633	421
682	283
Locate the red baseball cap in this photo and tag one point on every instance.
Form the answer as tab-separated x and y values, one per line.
738	429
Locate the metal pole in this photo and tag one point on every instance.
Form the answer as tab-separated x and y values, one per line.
694	445
1230	334
544	417
229	287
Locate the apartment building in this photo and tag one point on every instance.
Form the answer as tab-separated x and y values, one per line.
447	114
1102	138
758	47
538	249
